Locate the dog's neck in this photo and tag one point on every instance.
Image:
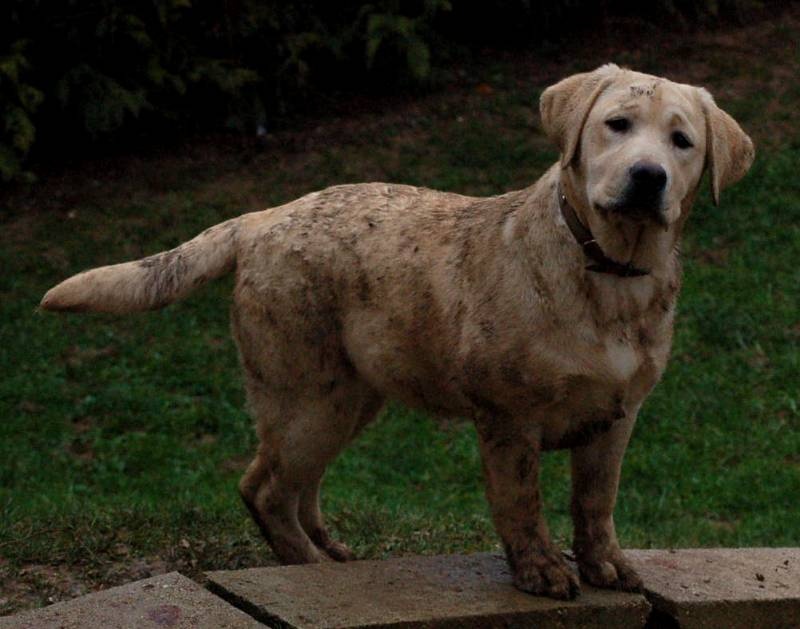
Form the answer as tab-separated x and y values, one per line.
599	261
647	247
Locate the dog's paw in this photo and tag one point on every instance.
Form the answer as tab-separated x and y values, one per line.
612	571
547	574
336	550
339	551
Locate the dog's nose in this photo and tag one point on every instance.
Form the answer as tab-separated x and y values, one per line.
648	178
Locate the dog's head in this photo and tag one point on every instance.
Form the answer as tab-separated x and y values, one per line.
636	145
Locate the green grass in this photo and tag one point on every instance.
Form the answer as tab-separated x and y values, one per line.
123	438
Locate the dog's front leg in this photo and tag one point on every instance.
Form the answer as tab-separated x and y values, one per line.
511	466
595	478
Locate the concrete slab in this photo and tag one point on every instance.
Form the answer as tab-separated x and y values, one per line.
432	592
168	600
723	587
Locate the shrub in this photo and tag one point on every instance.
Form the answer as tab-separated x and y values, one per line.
79	72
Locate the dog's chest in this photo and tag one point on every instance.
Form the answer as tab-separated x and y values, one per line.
597	389
622	336
621	359
567	371
576	375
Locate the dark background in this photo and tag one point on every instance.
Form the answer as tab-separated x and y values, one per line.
82	77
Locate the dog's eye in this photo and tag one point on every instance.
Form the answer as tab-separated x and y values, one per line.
620	125
681	141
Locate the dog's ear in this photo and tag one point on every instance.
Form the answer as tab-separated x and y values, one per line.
565	106
729	151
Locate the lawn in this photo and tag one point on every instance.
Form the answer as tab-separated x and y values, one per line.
122	438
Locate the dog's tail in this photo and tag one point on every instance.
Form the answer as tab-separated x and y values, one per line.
151	282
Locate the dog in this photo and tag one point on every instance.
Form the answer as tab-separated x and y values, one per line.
545	314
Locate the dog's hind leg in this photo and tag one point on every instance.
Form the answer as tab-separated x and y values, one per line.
310	514
273	502
308	402
300	434
314	524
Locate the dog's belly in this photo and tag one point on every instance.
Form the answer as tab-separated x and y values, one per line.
406	362
570	409
570	394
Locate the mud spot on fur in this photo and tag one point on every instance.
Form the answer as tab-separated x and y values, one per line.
483	404
475	370
512	374
526	465
539	281
584	435
647	91
531	531
364	292
165	273
493	433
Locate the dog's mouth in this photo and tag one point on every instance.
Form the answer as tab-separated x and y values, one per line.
641	198
636	209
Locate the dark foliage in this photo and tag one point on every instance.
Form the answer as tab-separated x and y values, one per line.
78	73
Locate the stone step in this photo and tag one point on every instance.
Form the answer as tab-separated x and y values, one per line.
745	588
443	591
734	588
168	600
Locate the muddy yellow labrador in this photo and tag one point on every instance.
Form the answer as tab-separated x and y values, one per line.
545	314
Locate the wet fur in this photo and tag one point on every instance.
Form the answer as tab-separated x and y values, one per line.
458	305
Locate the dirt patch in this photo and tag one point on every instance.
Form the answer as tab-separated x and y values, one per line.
34	585
28	586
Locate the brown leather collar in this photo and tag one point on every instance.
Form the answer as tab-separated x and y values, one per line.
592	250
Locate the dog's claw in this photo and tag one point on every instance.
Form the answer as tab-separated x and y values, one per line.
611	572
339	551
550	576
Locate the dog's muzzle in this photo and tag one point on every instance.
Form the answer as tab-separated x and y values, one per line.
643	195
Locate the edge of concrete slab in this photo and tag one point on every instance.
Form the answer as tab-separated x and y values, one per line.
252	610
